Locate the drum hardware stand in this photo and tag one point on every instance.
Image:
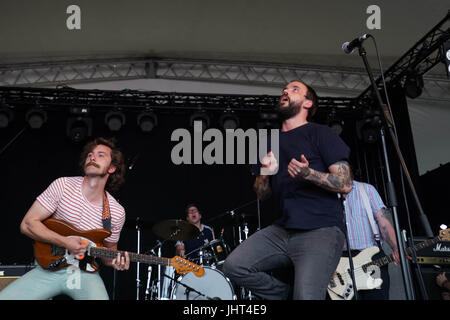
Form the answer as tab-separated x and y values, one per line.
233	215
158	245
200	255
245	292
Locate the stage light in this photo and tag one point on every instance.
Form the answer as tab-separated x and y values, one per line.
79	128
368	129
228	120
200	116
335	122
268	120
147	121
36	118
413	85
446	54
115	120
6	116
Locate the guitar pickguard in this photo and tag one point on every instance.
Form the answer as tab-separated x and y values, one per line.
83	263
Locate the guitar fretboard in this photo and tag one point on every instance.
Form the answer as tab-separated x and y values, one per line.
135	257
390	258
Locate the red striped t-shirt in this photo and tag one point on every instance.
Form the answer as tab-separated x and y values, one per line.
64	198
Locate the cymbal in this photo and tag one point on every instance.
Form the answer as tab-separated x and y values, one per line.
178	230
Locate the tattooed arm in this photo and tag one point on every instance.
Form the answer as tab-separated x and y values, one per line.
387	232
269	166
262	187
338	180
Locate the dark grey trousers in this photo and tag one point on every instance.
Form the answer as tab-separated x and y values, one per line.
314	254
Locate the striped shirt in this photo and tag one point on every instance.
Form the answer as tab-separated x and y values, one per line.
64	198
359	230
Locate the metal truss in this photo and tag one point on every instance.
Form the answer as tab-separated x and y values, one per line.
134	100
421	58
343	81
67	72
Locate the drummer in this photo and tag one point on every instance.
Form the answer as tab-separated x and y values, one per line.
190	249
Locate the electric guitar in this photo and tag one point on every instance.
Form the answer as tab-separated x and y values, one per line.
52	257
340	286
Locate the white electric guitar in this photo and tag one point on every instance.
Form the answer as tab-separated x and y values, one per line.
367	271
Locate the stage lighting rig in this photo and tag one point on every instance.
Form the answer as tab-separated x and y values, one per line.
36	117
115	120
228	120
6	116
335	122
79	124
200	116
413	85
147	121
446	54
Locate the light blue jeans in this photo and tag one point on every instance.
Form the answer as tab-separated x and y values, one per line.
41	284
314	254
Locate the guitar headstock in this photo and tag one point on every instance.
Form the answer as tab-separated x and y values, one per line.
183	266
444	235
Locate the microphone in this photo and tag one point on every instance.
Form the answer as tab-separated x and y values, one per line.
348	47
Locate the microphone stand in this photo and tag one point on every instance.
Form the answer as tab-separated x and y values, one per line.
388	122
234	215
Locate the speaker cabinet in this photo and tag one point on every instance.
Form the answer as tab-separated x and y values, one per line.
429	274
9	273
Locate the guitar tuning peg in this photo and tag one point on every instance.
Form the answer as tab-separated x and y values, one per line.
443	226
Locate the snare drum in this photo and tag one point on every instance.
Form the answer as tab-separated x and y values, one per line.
212	285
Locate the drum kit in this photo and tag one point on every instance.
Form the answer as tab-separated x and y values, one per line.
163	283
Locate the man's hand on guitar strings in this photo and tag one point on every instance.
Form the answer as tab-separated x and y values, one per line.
121	262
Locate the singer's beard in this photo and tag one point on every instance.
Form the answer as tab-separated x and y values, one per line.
288	112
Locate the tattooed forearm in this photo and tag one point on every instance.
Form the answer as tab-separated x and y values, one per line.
337	180
262	187
386	228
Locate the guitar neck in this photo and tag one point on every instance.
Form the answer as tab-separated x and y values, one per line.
134	257
390	258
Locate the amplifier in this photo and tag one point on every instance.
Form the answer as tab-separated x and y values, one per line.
9	273
439	253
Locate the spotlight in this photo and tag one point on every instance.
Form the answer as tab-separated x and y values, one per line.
115	120
200	116
368	129
228	120
79	128
446	54
36	118
6	116
268	120
335	122
413	85
147	121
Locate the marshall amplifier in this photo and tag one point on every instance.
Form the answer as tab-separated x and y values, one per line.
438	253
9	273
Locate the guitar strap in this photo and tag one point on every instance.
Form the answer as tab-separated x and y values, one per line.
366	203
106	218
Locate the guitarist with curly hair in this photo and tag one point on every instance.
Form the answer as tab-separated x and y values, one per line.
84	203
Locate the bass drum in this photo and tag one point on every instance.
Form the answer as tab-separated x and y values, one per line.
212	285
